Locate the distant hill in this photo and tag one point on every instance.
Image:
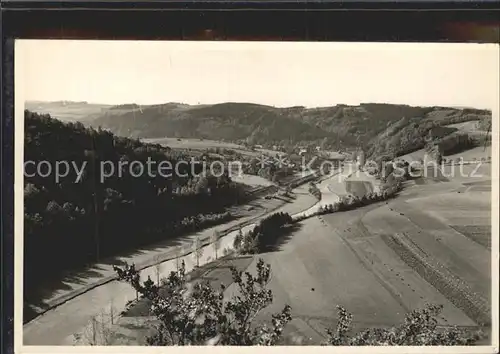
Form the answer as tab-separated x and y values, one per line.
68	111
228	121
378	128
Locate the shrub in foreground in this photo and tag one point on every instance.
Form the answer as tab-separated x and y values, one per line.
198	315
419	328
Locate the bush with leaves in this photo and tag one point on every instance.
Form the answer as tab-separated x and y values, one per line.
197	314
129	274
419	328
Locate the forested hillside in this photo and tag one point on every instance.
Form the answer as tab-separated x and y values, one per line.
409	134
69	223
379	128
227	121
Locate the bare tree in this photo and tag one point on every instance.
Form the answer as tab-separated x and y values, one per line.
97	332
111	311
197	250
177	256
215	240
157	270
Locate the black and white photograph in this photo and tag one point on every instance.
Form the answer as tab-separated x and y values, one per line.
191	193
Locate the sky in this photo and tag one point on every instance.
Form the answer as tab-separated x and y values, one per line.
280	74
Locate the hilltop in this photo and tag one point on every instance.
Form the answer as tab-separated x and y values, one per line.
67	111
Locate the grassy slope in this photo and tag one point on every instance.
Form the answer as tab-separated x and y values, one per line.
475	153
468	155
474	127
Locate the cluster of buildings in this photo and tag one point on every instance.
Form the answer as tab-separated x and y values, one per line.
336	157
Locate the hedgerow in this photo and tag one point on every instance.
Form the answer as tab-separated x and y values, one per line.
264	234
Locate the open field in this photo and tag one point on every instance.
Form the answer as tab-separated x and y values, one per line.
475	153
477	233
334	262
468	155
191	143
252	180
202	144
456	208
453	257
469	174
314	271
468	213
384	260
470	127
